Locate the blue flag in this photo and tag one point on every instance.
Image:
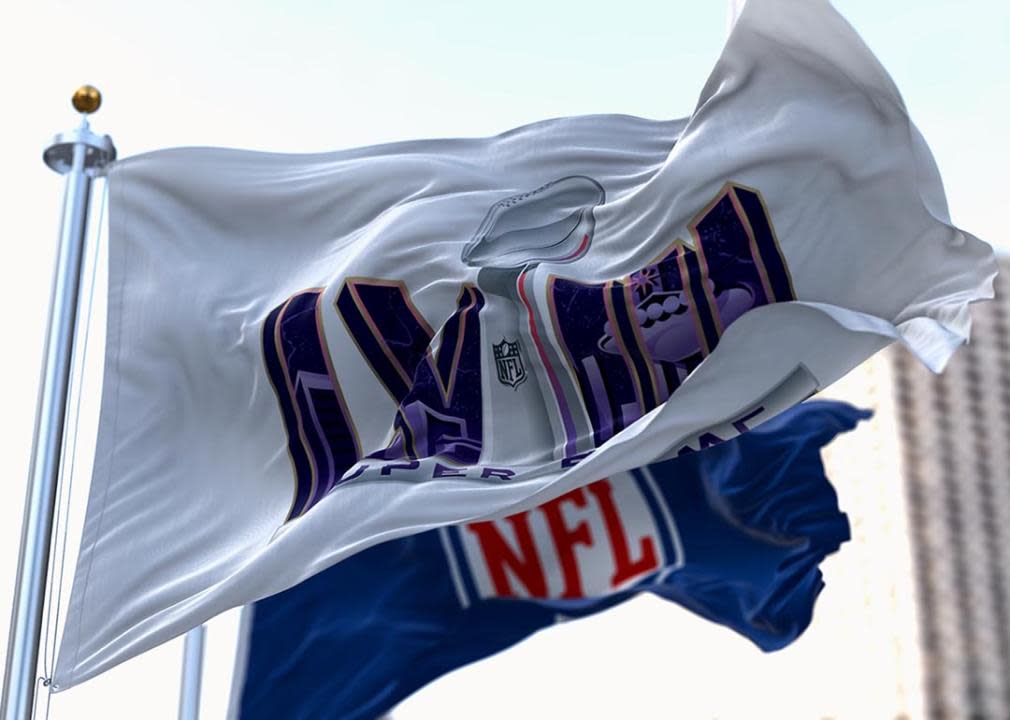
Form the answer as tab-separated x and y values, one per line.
734	534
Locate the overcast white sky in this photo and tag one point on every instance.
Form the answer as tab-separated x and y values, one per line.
314	76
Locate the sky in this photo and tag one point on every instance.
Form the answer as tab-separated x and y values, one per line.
309	76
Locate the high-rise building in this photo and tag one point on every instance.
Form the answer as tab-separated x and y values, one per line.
955	440
934	561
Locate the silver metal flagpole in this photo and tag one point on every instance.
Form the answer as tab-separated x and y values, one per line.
80	155
192	674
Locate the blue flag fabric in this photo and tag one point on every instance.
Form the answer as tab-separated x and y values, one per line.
734	533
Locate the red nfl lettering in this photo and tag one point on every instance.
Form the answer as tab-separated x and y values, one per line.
566	538
525	564
624	567
586	543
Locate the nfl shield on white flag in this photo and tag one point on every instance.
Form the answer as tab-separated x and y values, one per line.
308	355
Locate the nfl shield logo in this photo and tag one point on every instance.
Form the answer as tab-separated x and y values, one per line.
509	363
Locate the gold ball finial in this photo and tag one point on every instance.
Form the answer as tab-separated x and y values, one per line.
86	99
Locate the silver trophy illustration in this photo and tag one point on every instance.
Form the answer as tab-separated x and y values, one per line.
552	224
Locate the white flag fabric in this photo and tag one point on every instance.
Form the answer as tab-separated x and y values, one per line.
735	8
308	355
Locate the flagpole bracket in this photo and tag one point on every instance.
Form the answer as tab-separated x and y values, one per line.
98	150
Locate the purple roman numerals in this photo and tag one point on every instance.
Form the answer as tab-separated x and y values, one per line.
630	343
626	345
439	396
321	437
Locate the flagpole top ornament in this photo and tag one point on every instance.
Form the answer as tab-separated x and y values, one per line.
96	151
86	99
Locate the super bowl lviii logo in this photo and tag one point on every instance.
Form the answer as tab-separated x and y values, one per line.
606	353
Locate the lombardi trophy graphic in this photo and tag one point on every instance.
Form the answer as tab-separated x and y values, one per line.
552	224
555	224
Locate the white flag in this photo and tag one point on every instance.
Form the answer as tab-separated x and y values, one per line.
735	8
308	355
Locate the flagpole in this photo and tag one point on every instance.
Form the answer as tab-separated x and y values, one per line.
192	674
80	155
